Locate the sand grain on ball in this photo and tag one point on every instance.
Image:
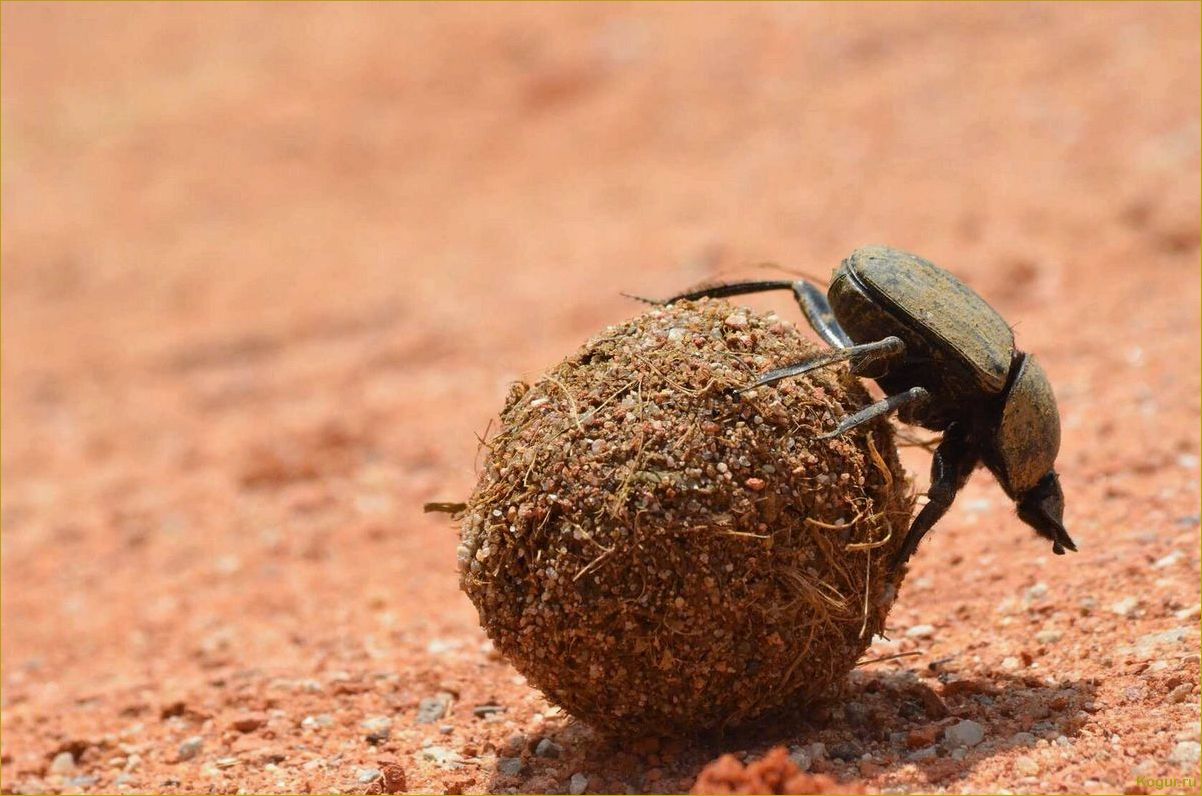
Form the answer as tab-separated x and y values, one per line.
657	553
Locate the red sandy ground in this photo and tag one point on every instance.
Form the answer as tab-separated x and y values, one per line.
268	271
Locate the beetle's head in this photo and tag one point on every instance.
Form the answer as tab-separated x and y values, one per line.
1024	449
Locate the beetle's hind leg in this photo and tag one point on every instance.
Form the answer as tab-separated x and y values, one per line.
810	299
722	290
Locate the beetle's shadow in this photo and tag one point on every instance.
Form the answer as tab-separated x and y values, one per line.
896	716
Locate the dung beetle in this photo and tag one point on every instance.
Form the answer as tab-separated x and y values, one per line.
946	361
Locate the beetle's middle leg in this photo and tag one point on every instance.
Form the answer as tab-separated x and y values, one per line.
862	357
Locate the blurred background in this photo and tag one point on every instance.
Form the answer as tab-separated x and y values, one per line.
268	270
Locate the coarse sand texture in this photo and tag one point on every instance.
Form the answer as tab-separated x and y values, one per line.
657	552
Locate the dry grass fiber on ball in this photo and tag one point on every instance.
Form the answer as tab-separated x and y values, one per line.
658	554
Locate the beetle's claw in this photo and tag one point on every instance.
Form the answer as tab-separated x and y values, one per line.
1063	544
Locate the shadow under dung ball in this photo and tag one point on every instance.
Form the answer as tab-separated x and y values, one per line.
658	554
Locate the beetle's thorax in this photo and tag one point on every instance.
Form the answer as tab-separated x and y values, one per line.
935	307
901	299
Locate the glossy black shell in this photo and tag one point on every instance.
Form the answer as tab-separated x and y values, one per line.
956	343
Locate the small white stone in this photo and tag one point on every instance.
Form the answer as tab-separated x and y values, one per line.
736	320
442	756
63	764
1145	646
964	733
978	505
441	646
1186	752
191	747
1125	607
1048	636
377	724
1191	734
801	756
1169	560
548	748
1181	693
316	722
1188	613
1037	592
920	631
577	784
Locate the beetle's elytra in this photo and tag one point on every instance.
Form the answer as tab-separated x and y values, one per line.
946	361
930	304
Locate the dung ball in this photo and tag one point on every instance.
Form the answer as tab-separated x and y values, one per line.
658	552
